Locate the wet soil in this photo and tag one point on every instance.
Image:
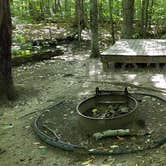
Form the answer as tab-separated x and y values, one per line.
69	79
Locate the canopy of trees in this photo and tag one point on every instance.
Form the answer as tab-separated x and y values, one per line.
148	15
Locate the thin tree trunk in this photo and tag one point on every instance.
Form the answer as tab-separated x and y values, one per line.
146	16
142	17
150	13
101	12
67	12
42	9
57	6
94	28
111	21
6	81
128	15
80	18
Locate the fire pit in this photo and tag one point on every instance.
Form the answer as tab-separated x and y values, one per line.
107	110
58	126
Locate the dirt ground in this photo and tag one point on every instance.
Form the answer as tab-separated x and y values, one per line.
69	77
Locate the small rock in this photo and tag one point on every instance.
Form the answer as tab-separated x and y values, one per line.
21	160
153	99
68	75
36	143
124	110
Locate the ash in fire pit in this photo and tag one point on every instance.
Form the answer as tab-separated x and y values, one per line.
103	111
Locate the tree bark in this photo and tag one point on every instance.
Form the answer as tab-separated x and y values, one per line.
128	15
94	28
80	18
101	17
57	6
6	81
111	21
144	17
150	13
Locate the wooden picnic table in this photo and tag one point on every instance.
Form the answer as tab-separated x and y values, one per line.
135	51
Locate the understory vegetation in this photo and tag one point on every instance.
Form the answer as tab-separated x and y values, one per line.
71	19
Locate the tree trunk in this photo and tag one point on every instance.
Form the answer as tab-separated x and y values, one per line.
144	17
94	28
42	9
101	17
80	19
57	6
128	15
67	10
6	81
150	13
111	21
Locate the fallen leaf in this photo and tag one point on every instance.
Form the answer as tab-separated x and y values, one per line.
114	146
86	163
7	126
36	143
120	138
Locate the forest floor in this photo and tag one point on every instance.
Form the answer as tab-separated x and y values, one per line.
72	76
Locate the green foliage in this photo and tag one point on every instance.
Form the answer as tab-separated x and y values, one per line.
159	14
40	9
30	11
20	46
